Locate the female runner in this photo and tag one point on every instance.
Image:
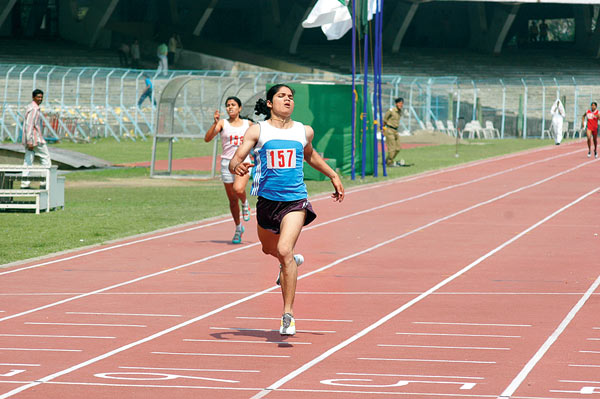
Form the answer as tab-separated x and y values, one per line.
280	147
232	135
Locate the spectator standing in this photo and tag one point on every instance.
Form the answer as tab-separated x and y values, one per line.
391	121
174	44
124	54
533	32
32	136
558	115
163	62
135	54
147	92
543	31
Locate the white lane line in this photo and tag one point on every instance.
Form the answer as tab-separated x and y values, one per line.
595	328
20	364
585	382
126	314
584	365
589	351
220	254
413	375
279	318
419	298
269	330
233	341
358	189
85	324
444	347
325	293
306	275
178	369
593	339
55	336
471	324
518	380
40	350
460	335
426	360
214	354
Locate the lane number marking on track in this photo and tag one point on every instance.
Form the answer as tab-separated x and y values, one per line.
12	373
362	383
138	376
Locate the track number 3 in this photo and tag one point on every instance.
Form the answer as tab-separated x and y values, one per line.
281	159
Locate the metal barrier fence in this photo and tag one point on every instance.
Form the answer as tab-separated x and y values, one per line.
85	102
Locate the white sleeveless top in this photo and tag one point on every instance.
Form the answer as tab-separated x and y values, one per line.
232	137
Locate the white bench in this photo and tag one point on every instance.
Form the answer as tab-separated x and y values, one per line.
50	195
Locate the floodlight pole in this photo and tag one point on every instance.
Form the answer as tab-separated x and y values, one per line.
575	106
503	109
543	106
524	108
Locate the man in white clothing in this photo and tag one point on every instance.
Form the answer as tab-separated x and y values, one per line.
32	136
558	115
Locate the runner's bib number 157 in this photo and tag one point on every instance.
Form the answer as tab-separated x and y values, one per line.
281	159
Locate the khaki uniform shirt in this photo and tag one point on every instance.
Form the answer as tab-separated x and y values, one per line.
391	119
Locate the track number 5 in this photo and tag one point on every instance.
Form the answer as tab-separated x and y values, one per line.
281	159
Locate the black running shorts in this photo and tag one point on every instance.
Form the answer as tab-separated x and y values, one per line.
269	214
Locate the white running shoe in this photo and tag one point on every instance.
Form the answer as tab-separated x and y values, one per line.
299	260
288	325
595	154
589	154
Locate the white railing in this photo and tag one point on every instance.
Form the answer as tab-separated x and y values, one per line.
84	102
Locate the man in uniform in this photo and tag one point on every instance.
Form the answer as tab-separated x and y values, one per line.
391	121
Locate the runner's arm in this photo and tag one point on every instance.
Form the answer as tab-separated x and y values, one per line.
215	128
316	161
236	165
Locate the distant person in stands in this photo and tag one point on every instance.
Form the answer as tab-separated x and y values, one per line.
391	122
163	63
533	32
558	115
174	44
543	31
135	54
32	136
232	132
147	92
591	116
123	55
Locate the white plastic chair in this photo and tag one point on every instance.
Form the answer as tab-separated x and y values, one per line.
474	129
489	127
429	126
450	128
440	126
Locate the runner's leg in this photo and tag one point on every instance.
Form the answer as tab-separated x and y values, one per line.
234	205
291	226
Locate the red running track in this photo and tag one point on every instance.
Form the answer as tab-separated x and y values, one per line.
478	281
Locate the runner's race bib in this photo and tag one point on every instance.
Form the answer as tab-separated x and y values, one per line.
281	158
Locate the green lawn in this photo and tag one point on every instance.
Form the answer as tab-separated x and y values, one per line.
114	203
127	151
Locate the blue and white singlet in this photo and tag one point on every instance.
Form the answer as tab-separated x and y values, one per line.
279	159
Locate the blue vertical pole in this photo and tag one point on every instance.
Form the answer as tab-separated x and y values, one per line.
380	69
353	162
375	100
365	100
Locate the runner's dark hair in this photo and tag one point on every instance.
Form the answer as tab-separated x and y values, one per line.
36	92
234	98
261	108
